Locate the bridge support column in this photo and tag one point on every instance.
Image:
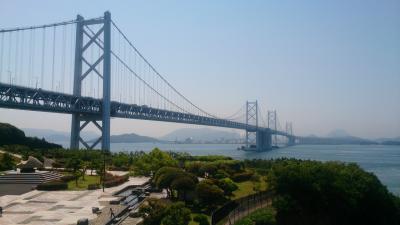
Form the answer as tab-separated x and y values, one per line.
76	120
264	140
291	141
105	45
105	145
251	121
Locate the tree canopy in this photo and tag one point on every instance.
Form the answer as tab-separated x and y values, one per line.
311	192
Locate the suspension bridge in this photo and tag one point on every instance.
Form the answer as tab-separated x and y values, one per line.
90	69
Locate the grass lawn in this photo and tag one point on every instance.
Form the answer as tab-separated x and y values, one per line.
247	188
83	184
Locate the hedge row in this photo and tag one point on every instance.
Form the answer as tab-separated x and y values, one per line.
93	186
53	186
68	178
243	176
115	181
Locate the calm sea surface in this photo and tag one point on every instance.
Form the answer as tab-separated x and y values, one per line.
384	161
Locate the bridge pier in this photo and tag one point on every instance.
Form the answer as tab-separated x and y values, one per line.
291	140
264	140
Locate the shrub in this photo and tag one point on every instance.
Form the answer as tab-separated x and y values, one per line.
115	181
27	170
244	221
243	176
176	214
201	219
265	216
93	186
68	178
52	186
227	185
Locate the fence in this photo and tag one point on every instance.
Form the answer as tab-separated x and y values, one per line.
233	211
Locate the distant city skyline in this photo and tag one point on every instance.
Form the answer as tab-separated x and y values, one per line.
322	65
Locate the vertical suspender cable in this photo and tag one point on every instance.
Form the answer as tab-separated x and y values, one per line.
30	58
43	51
1	54
124	75
21	60
16	75
64	42
134	81
9	56
71	60
53	62
33	52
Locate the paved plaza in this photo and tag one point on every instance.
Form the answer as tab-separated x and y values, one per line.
58	207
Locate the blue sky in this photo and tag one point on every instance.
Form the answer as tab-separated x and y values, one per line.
321	64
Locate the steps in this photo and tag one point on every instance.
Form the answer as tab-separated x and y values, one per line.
29	178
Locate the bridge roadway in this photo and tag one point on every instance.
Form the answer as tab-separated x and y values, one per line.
24	98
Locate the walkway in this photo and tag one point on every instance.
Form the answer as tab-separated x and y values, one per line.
58	207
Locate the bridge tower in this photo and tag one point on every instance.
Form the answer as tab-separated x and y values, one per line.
272	124
251	121
84	40
289	130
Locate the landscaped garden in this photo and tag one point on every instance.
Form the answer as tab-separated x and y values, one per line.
305	192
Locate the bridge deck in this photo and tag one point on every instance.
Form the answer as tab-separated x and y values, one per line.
17	97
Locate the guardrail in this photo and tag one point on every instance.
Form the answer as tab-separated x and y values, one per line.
234	210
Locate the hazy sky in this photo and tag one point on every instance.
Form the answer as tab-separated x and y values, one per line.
321	64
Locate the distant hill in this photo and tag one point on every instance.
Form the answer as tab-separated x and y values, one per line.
132	138
338	133
200	134
56	136
335	141
10	135
335	137
389	141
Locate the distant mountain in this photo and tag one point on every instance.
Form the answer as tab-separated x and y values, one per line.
338	137
200	134
132	138
56	136
389	141
338	133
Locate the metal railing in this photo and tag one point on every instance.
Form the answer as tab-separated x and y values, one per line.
235	210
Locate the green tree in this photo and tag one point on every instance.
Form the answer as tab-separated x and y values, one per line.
75	164
84	167
176	214
164	178
7	162
310	192
93	165
183	184
209	194
227	185
146	164
201	219
153	211
172	178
